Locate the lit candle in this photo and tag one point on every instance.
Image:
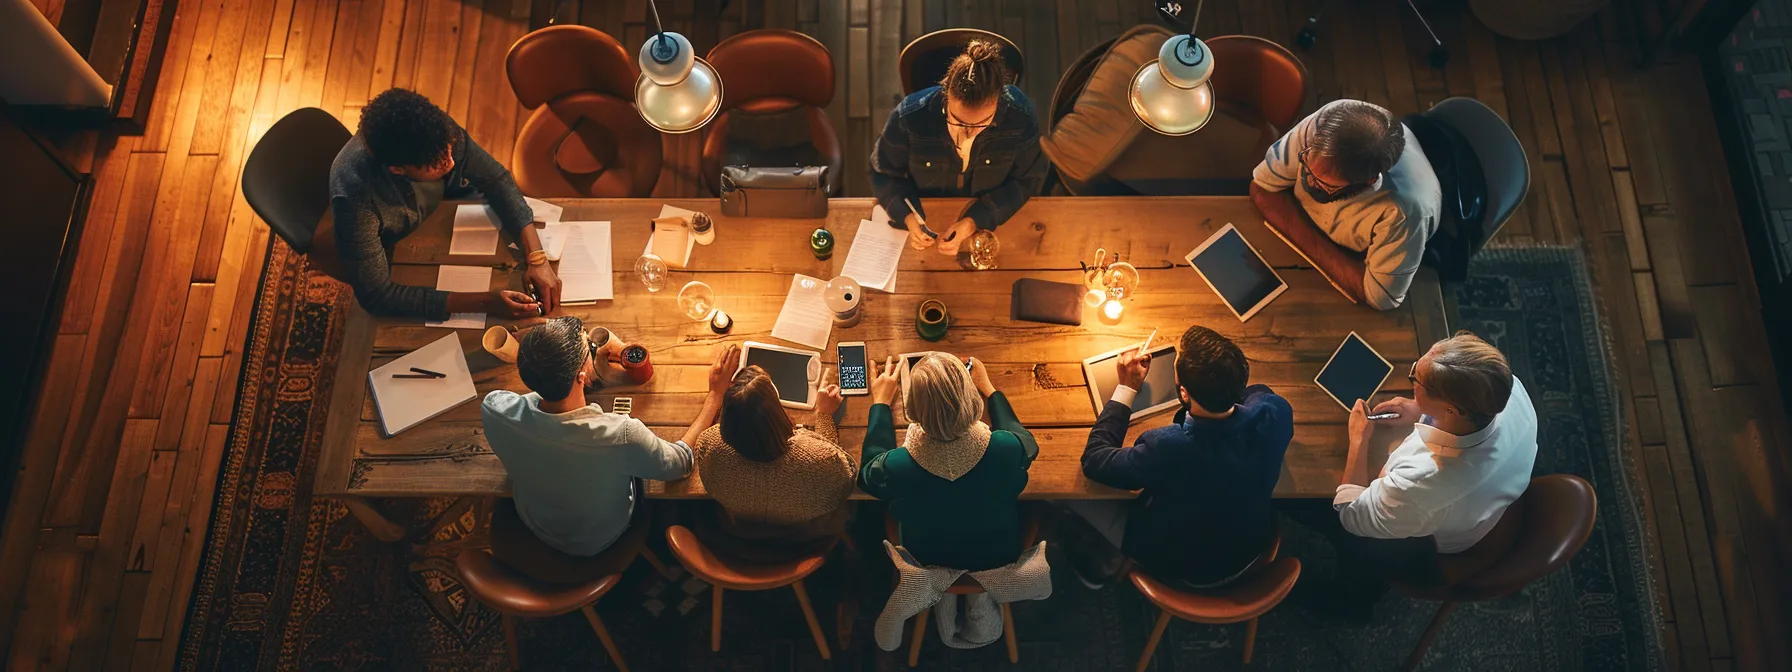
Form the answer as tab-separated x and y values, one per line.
720	322
1111	310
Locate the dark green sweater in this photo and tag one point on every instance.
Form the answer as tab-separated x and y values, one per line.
972	523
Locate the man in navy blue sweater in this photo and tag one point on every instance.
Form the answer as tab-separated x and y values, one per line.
1203	511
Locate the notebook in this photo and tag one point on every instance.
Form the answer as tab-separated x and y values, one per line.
404	403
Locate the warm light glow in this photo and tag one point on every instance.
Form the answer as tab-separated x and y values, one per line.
1111	310
1093	297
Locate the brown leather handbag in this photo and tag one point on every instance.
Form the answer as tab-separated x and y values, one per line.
794	192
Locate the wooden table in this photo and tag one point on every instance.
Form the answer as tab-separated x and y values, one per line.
1037	365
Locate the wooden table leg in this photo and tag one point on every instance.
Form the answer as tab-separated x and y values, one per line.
364	511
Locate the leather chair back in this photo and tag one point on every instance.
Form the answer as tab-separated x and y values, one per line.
1260	76
1504	166
923	62
286	178
1557	517
773	63
557	60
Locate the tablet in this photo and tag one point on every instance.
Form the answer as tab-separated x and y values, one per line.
794	372
1356	371
1236	272
1159	393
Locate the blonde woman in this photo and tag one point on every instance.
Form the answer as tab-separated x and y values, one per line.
954	481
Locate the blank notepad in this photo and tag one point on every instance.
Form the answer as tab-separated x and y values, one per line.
404	403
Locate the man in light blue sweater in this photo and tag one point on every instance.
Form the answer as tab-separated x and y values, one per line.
572	466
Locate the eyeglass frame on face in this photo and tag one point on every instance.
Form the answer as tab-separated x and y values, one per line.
953	120
1327	186
1412	376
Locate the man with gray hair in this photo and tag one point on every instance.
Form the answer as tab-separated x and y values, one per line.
1350	189
573	468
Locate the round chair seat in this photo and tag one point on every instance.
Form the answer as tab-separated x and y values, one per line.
1242	601
509	592
586	145
734	575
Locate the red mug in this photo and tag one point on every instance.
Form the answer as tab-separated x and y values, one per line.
637	363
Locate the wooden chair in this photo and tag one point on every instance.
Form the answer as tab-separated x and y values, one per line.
1552	520
966	585
1240	602
924	60
724	574
514	586
286	178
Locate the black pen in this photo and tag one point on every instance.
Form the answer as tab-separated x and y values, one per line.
427	372
539	308
417	376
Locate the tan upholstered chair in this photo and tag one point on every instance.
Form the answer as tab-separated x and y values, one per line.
584	138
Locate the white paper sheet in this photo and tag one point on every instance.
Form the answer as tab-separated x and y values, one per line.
462	279
545	212
805	318
475	230
553	239
404	403
585	273
875	254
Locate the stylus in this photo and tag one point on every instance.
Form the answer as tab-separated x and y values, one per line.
1148	339
919	218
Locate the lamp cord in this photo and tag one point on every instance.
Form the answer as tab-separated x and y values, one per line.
659	30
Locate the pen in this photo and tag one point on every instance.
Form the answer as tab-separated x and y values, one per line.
919	217
539	309
418	376
427	372
1384	416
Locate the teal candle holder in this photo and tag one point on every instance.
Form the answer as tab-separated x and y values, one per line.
932	320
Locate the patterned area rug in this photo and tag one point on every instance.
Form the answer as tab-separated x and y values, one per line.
293	582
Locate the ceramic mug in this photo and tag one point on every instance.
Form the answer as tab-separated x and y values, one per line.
638	364
501	343
932	320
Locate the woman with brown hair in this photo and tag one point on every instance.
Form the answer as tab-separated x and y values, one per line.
781	486
972	135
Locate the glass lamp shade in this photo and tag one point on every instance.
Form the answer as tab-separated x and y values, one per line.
676	92
1172	95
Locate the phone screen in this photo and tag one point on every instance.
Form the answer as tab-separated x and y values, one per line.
852	368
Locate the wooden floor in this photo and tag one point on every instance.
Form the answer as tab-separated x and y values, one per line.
102	539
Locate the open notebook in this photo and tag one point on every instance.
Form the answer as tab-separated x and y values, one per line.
404	403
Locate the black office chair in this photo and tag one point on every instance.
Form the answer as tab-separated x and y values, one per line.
1484	174
286	179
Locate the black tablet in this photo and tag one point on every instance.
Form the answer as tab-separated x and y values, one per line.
1236	272
1356	371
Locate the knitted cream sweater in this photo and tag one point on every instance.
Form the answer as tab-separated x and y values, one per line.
811	481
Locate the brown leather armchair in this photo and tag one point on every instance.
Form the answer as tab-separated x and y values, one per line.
923	61
779	84
1242	601
1259	78
585	139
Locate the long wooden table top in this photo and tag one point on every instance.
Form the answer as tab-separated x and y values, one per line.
1037	365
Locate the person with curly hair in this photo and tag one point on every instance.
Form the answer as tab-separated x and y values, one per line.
972	135
407	156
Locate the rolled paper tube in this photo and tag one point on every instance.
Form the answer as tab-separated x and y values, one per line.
501	344
932	320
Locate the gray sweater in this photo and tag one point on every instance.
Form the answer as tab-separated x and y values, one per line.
374	208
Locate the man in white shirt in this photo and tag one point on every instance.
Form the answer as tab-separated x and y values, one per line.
1469	456
1350	189
572	466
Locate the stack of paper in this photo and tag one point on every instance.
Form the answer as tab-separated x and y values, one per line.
553	233
545	212
403	403
475	230
463	279
805	317
585	275
876	251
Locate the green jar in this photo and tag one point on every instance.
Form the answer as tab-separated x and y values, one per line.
932	320
821	242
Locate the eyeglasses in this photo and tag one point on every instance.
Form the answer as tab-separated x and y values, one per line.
1412	376
955	123
1329	187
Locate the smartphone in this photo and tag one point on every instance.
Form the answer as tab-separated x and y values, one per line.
855	378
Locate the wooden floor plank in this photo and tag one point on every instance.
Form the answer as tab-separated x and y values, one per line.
460	91
42	640
170	283
105	571
96	235
1710	607
198	514
36	467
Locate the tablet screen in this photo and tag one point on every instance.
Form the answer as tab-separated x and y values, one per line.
789	372
1235	272
1355	372
1159	390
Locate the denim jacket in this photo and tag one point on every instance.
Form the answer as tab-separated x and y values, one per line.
915	157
